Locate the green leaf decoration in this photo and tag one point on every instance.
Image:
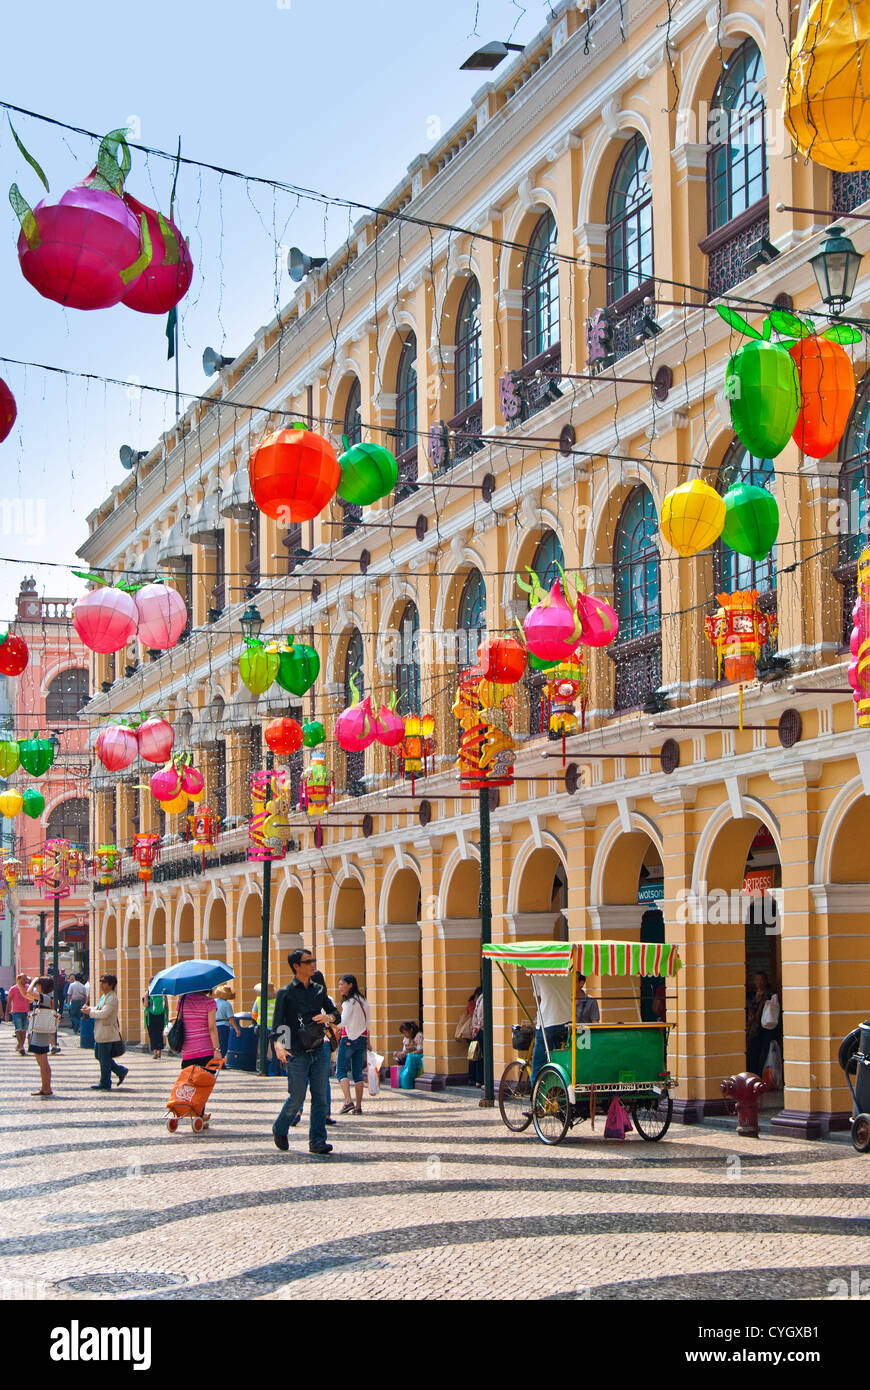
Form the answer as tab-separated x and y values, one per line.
354	685
766	330
143	260
175	178
842	333
170	241
91	578
24	212
111	171
789	325
736	321
30	160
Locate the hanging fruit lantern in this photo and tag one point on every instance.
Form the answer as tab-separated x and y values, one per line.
565	685
827	84
166	784
9	757
116	747
692	517
166	279
162	615
258	666
36	755
146	853
751	520
859	643
155	738
11	802
85	250
355	726
106	860
551	627
368	473
599	623
317	785
284	736
13	654
8	410
266	789
294	473
762	390
298	665
502	659
827	380
738	630
202	831
192	781
313	733
417	746
32	802
105	619
56	869
174	805
389	727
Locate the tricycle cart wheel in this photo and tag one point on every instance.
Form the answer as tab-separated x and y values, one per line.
515	1096
551	1109
172	1124
652	1115
861	1133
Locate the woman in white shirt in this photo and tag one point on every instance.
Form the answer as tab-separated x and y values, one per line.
353	1043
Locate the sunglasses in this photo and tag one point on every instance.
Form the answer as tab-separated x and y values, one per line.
312	960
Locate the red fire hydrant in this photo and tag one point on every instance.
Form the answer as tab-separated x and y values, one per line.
743	1090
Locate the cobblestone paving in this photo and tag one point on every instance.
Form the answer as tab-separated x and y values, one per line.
427	1195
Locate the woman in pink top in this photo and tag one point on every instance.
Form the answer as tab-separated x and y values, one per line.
17	1008
201	1042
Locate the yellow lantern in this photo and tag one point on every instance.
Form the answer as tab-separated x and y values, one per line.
11	803
176	805
827	91
692	517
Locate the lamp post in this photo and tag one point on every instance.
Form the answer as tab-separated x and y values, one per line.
262	1063
42	943
251	623
835	266
485	939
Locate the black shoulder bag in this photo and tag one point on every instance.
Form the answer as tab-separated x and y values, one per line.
175	1036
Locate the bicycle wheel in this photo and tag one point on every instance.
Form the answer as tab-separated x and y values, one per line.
515	1096
652	1115
551	1111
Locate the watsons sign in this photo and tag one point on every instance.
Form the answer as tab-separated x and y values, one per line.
76	1343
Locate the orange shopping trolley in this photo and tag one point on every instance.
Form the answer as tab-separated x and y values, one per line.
190	1095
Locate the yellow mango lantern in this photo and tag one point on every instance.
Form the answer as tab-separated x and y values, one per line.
692	517
11	803
827	91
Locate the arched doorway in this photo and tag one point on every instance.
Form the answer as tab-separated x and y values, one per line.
248	948
627	890
184	932
130	986
346	934
403	997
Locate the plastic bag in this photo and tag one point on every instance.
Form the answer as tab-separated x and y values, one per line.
772	1071
374	1063
770	1013
618	1120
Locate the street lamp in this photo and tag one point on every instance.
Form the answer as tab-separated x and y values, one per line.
489	56
835	266
251	623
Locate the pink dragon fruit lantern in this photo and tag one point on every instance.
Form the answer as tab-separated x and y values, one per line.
166	784
551	627
162	616
598	621
166	280
355	727
105	619
390	727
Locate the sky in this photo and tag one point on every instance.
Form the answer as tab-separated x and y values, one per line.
324	94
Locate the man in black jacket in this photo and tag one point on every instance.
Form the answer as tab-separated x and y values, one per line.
301	1008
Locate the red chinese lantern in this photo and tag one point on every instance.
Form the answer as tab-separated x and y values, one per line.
417	746
105	619
202	830
8	410
146	852
166	279
501	659
283	736
738	630
566	683
294	473
827	395
13	654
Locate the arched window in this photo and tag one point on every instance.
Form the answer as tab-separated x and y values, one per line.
467	362
66	693
353	666
629	223
470	619
69	821
352	423
735	571
853	490
637	652
408	668
541	291
406	397
737	158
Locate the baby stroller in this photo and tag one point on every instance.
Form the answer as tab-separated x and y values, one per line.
854	1058
190	1095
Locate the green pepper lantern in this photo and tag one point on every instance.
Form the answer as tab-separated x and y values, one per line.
258	667
368	472
10	757
313	733
32	802
298	667
762	388
36	755
751	520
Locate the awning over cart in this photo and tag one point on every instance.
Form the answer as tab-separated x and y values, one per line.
589	957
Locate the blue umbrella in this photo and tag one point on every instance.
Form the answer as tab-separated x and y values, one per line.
190	977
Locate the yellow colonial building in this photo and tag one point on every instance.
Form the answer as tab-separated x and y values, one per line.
545	363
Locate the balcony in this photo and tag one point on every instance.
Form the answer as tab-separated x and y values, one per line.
351	517
407	479
465	430
846	575
849	191
727	249
524	392
637	670
616	331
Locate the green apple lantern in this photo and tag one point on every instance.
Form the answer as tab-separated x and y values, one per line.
313	733
751	520
258	667
762	389
298	666
32	802
368	472
36	755
10	757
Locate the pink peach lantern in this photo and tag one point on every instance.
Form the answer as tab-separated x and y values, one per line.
105	619
156	737
162	616
116	747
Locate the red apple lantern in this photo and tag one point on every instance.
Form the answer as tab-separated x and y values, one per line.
13	654
8	410
166	279
156	737
502	660
162	615
283	736
105	619
116	747
294	473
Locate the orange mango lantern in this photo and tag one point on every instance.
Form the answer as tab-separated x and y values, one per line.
738	630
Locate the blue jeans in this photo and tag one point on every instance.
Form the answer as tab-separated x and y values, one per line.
306	1069
555	1038
327	1052
103	1054
351	1057
75	1014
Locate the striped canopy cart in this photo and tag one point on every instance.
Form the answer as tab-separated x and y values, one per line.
594	1063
